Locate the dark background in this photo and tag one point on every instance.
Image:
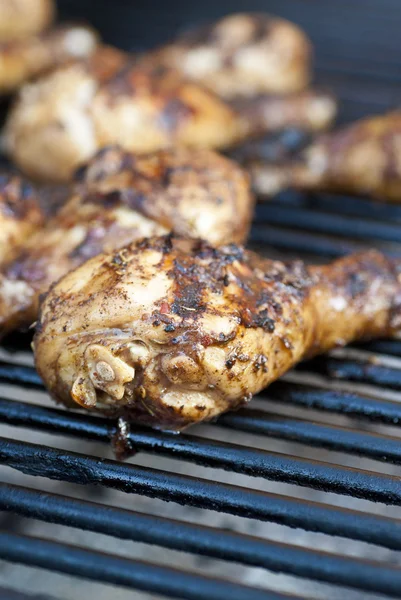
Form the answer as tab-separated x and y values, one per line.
357	42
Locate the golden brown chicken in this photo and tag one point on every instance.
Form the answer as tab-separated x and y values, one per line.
123	198
363	158
60	121
22	60
20	215
243	55
173	332
22	18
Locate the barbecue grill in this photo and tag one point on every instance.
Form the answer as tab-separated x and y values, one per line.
346	405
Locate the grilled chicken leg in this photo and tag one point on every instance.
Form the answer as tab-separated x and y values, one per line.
20	215
242	55
60	121
22	60
173	332
363	159
259	64
122	198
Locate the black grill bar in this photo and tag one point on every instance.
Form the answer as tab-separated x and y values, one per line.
77	468
20	375
391	347
211	453
333	224
340	439
362	371
380	411
207	541
336	204
136	574
83	426
300	242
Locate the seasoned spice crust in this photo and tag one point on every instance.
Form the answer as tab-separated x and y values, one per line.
119	198
169	332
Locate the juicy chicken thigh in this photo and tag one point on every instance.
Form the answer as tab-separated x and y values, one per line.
172	332
242	55
363	158
121	198
21	18
22	60
20	215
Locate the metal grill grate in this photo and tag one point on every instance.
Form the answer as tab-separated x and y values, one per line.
368	416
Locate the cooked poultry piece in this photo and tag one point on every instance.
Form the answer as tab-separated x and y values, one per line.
22	18
60	121
242	55
22	60
20	215
123	197
363	158
309	110
172	332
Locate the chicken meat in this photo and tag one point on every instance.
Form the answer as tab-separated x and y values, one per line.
22	60
60	121
120	198
242	55
363	158
22	18
20	215
170	332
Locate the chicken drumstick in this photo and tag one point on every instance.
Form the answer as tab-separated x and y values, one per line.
122	198
171	332
363	159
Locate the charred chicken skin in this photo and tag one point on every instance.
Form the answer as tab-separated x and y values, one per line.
22	18
20	215
171	332
22	60
121	198
363	159
243	55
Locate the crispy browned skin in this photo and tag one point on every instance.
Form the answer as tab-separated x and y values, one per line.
243	55
22	60
178	332
20	215
122	198
60	121
22	18
363	159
